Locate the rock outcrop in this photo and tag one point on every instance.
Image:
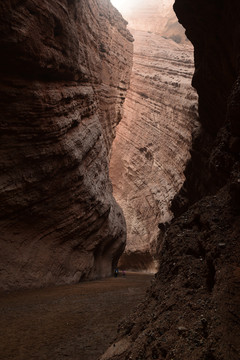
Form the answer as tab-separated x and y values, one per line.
153	141
65	68
191	310
213	37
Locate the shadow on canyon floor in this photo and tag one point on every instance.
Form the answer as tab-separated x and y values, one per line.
67	322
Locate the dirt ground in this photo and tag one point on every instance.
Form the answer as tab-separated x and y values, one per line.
68	322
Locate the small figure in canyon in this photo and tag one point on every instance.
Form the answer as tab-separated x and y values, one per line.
116	272
123	273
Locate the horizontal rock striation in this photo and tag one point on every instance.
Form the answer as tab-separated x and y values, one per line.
64	69
153	140
192	308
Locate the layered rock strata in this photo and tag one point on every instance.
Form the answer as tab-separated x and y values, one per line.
191	310
153	140
65	69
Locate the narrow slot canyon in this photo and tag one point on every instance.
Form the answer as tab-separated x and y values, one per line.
153	139
110	158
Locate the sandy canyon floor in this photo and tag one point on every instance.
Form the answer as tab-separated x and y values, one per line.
67	322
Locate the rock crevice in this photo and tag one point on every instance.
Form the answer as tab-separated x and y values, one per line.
152	145
190	311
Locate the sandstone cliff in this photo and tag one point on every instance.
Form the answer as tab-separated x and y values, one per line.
65	69
191	310
152	143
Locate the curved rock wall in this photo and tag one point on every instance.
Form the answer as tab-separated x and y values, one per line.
65	69
191	309
153	140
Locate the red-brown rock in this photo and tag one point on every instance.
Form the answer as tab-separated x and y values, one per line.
65	69
191	310
152	145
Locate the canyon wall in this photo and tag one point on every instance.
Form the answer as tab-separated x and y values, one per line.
153	140
65	68
191	310
213	38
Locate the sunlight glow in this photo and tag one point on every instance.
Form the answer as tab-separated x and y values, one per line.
126	7
123	5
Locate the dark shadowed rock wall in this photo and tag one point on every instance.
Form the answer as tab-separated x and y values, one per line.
215	38
64	70
191	310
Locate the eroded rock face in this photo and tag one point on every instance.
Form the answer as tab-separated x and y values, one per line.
215	37
65	69
191	310
152	143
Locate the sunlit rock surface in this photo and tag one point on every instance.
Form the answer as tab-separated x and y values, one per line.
153	140
65	69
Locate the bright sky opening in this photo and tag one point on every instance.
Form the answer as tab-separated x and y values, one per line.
122	5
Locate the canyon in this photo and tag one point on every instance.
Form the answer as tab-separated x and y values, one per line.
154	16
65	69
191	311
153	139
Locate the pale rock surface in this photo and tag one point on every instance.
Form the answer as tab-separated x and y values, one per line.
65	69
152	15
153	141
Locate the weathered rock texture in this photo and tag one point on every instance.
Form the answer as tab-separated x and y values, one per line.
153	140
65	68
214	37
192	308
